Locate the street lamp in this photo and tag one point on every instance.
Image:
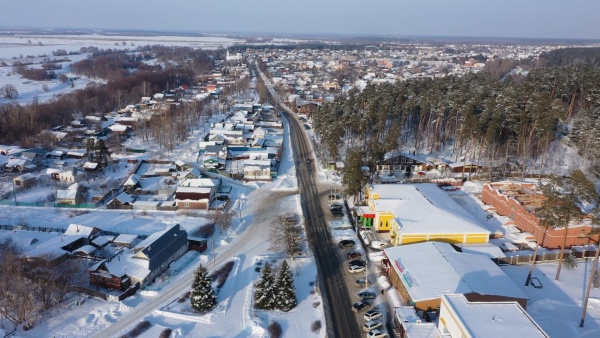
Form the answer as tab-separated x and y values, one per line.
589	286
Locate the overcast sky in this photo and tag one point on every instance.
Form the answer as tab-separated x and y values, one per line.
578	19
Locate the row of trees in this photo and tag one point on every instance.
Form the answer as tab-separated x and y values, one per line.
30	287
481	118
275	291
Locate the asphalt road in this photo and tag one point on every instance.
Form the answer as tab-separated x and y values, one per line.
341	321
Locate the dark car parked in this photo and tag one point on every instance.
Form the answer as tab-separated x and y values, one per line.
346	243
359	306
353	255
367	295
336	206
358	262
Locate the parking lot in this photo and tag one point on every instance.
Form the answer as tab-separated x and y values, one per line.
337	213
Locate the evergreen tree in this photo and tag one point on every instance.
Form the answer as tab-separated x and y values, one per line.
570	261
285	296
263	289
203	296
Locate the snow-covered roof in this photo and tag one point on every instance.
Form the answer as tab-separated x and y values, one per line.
132	180
487	249
422	264
199	182
103	240
53	246
87	249
78	229
492	319
90	165
126	239
124	198
66	194
424	208
199	190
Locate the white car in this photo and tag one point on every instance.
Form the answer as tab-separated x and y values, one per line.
377	334
356	269
371	325
372	314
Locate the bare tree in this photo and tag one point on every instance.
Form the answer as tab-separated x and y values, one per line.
286	236
221	218
9	91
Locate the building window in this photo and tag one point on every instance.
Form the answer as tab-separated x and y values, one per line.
186	204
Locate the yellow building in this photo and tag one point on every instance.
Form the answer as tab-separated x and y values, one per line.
415	213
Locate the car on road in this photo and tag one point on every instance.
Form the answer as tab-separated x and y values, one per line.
362	282
336	206
378	245
377	333
346	243
371	325
334	196
373	314
358	262
367	295
353	255
356	269
359	306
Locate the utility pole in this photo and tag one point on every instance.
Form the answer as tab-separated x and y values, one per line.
589	286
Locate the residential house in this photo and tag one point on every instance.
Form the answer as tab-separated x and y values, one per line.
219	151
182	166
257	170
132	183
19	165
409	269
196	193
25	180
70	196
259	133
189	173
33	155
402	164
73	175
126	241
144	263
90	166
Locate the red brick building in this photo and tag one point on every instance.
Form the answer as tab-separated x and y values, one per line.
518	201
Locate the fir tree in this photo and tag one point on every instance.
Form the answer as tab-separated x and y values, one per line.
570	261
263	289
203	296
285	296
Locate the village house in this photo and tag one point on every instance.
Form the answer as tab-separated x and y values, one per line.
196	193
25	180
401	164
72	175
257	170
144	263
73	195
